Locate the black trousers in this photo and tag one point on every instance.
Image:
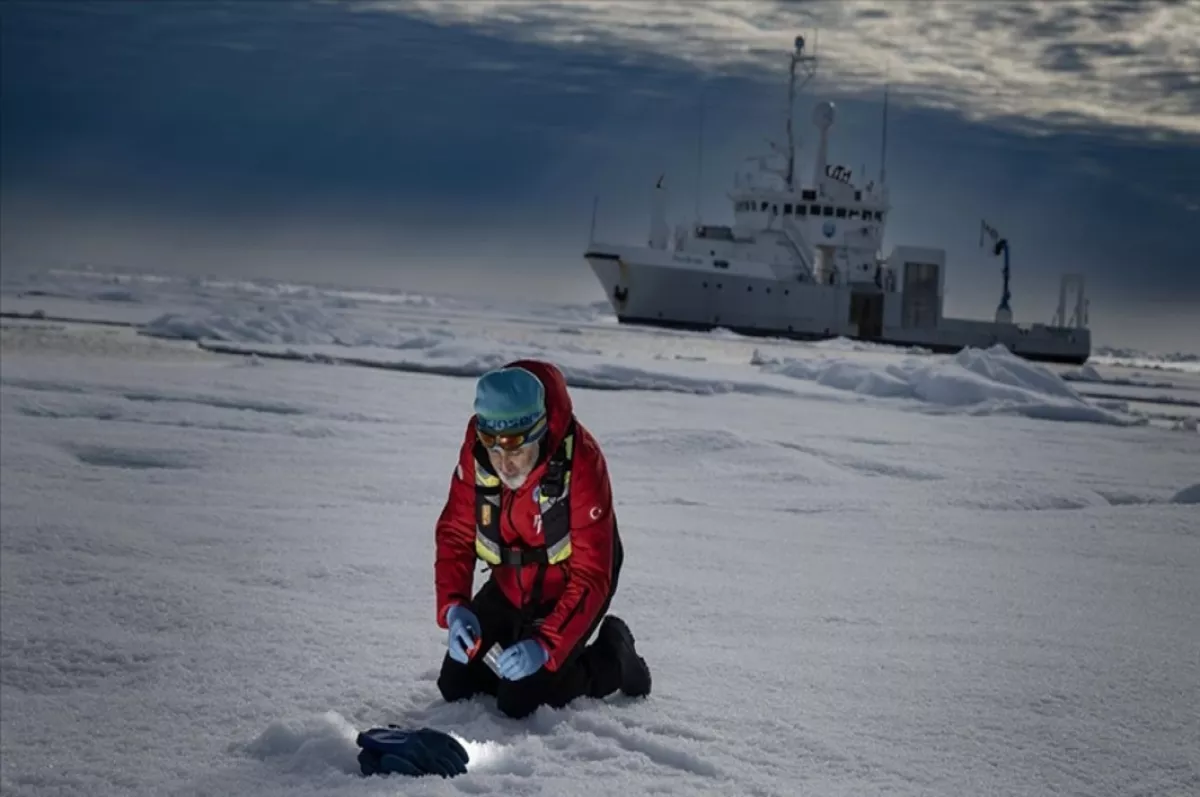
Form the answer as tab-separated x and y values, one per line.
589	671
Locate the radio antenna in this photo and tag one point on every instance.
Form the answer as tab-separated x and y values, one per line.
883	143
700	152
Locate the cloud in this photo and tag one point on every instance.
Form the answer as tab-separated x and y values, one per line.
1131	67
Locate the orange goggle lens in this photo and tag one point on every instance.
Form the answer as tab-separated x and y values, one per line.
513	440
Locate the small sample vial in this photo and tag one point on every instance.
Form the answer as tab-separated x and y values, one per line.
493	656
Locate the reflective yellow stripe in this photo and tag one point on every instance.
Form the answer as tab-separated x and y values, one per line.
486	550
559	550
485	479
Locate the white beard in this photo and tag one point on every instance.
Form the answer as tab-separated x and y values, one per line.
514	484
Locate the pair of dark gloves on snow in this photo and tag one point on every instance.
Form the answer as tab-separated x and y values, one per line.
392	750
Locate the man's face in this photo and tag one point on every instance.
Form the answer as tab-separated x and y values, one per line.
514	467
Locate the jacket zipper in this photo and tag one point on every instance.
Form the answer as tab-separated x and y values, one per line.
512	499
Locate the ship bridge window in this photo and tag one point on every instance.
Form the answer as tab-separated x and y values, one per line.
853	213
764	206
814	210
787	209
841	213
810	194
827	210
878	216
715	231
801	210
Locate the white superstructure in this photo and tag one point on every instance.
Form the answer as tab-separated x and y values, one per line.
803	260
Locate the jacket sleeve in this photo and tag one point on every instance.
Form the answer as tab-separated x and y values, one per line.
454	534
589	568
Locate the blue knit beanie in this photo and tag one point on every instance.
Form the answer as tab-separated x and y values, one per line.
508	399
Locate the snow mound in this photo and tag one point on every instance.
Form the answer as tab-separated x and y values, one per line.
1088	373
849	344
1185	361
318	743
1084	373
591	312
1188	495
87	286
620	377
308	744
312	333
290	323
982	382
456	358
1120	353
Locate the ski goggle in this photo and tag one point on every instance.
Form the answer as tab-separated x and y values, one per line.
512	440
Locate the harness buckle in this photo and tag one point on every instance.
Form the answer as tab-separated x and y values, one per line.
519	557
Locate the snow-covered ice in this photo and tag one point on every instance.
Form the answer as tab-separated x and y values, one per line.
853	569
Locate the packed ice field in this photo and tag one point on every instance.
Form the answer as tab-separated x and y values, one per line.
852	569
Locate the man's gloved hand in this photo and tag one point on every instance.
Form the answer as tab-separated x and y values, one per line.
522	659
465	633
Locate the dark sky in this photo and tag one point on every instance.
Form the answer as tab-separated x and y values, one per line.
433	146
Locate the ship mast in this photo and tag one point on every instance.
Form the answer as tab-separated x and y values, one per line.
883	142
809	64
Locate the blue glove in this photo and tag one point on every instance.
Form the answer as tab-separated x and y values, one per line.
391	750
521	660
465	633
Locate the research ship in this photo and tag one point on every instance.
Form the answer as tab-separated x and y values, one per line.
804	261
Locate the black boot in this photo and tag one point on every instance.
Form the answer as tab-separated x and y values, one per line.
635	675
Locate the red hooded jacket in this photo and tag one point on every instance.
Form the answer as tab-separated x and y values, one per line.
579	587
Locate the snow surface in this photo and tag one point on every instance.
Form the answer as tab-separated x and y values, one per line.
852	569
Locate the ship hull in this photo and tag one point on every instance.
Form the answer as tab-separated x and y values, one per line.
766	332
657	288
